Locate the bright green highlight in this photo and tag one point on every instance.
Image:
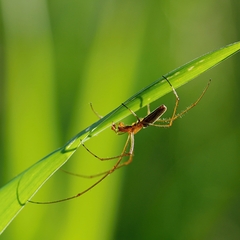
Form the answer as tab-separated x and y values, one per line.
14	195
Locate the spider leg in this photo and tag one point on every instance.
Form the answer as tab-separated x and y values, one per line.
175	116
105	159
99	116
130	154
116	166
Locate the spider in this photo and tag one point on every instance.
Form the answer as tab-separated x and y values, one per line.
152	119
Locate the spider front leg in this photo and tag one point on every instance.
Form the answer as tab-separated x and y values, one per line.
99	116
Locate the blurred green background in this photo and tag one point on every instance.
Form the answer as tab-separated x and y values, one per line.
58	56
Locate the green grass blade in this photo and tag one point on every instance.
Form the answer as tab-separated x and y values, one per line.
159	88
14	195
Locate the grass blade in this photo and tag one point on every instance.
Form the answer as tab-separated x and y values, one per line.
14	195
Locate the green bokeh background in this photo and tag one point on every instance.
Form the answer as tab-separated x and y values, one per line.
57	56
